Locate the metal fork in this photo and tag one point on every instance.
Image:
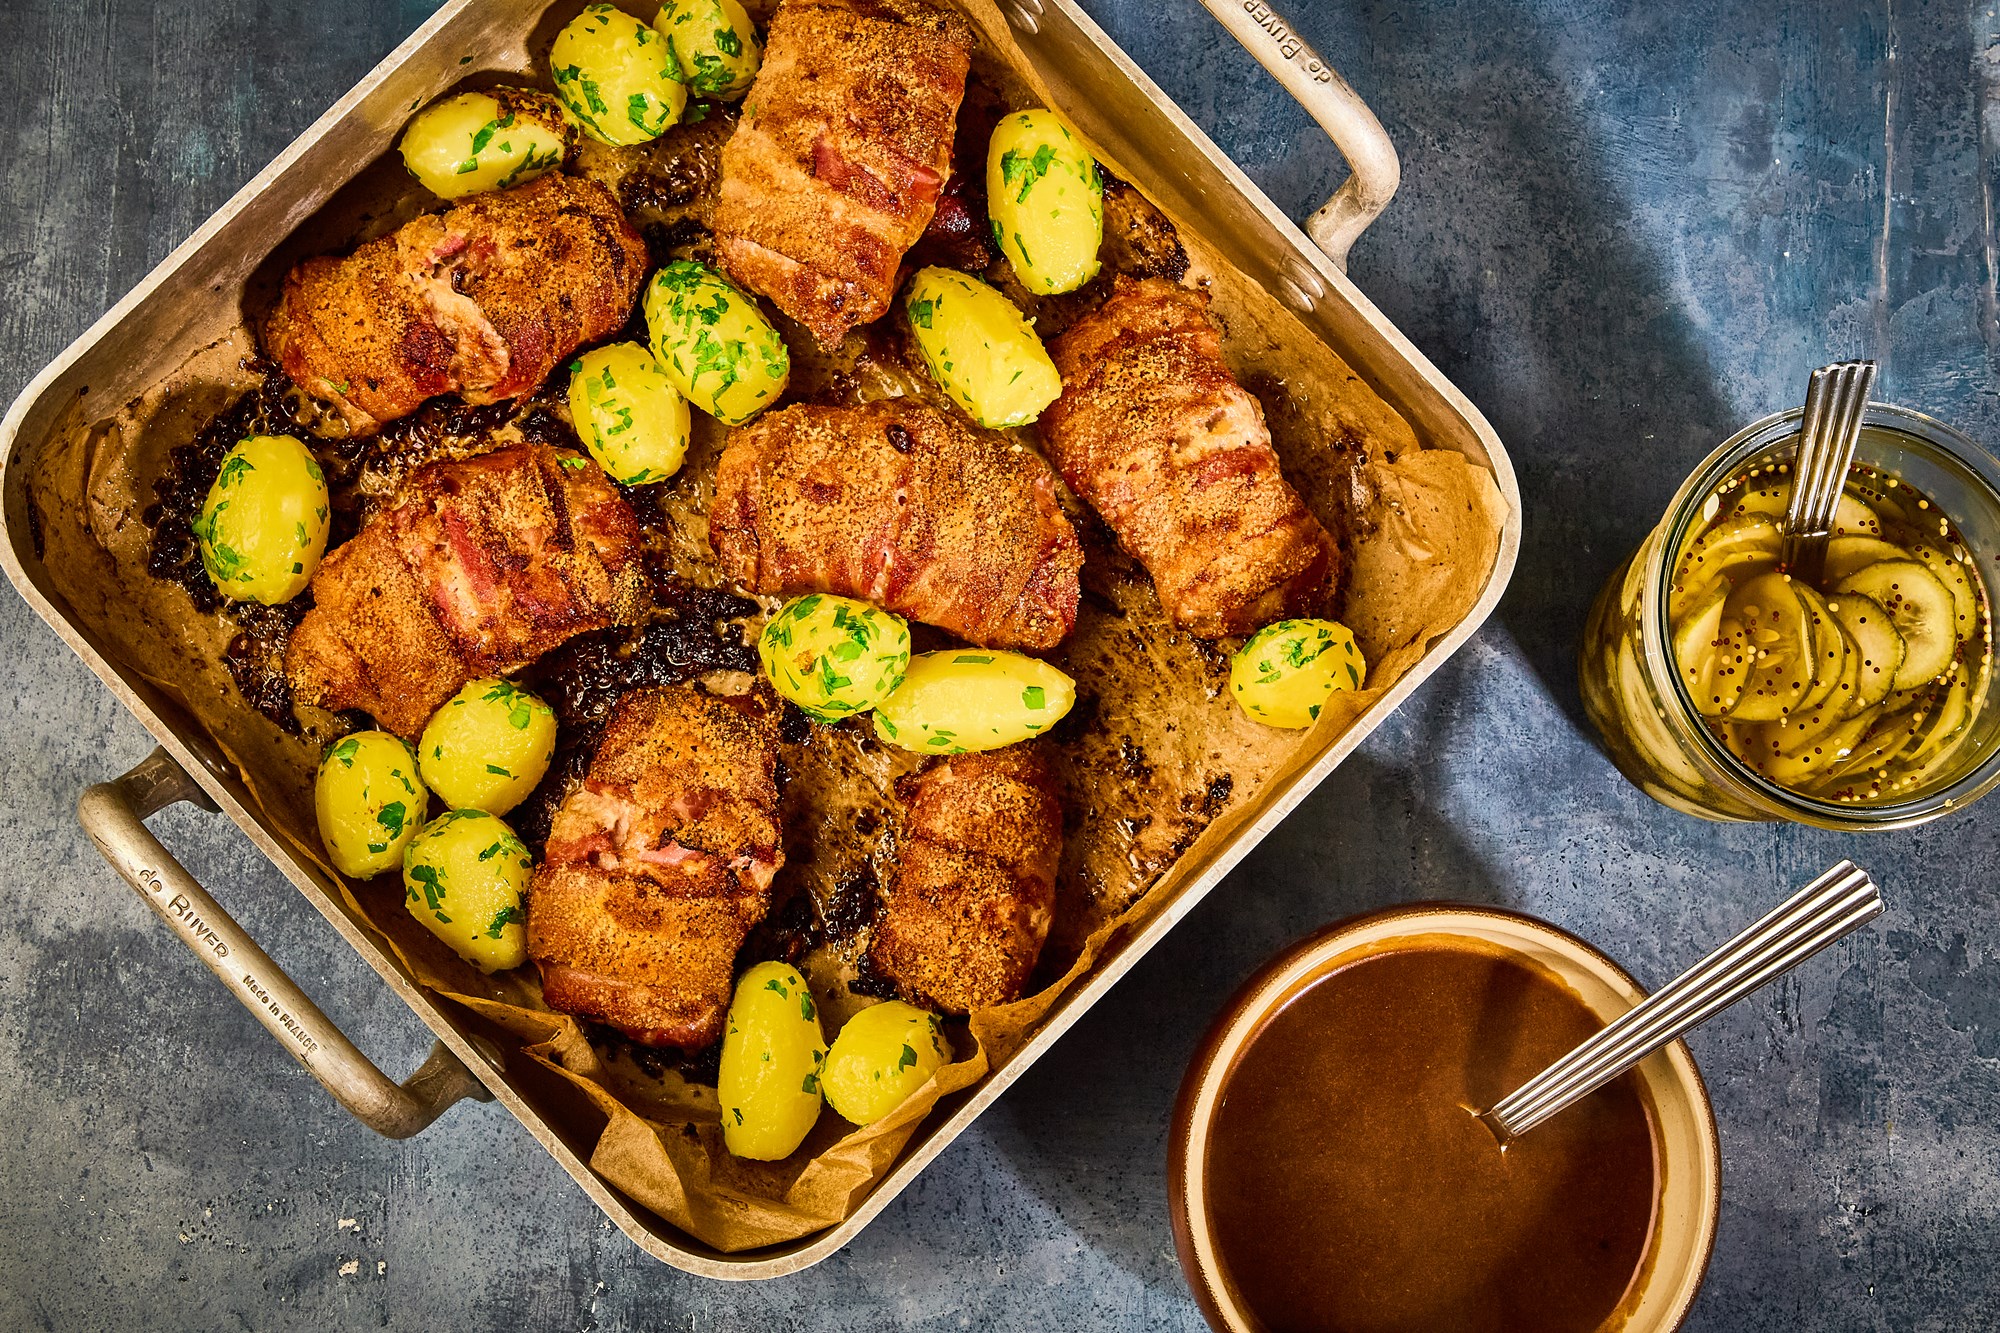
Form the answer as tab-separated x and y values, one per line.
1841	900
1836	399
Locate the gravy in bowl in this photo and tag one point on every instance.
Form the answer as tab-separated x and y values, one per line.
1351	1187
1328	1171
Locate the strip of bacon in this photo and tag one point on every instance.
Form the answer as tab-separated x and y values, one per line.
901	505
479	567
658	864
1155	433
483	300
837	163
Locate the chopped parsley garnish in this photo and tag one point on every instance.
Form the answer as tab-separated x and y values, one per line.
506	916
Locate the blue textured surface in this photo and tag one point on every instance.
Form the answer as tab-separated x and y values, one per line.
1623	230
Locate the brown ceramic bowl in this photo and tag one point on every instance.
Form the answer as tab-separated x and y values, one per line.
1690	1190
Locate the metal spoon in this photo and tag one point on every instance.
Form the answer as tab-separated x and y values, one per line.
1836	903
1836	399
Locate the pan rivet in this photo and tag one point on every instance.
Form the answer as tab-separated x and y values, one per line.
1300	287
1026	15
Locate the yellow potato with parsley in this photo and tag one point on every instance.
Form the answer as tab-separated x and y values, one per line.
464	875
882	1055
1284	673
772	1052
263	525
628	414
965	699
714	43
980	348
617	76
370	802
1045	200
714	343
487	746
492	140
834	656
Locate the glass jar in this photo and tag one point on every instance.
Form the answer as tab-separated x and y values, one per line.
1635	695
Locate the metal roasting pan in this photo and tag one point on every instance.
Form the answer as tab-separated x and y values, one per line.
193	298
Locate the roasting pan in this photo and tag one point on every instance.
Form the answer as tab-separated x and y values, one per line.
192	299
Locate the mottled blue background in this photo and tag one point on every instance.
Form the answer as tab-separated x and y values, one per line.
1624	229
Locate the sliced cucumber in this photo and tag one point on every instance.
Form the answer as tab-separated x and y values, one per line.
1648	733
1948	733
1683	599
1872	491
1725	668
1947	713
1851	518
1694	636
1635	578
1829	647
1735	548
1876	644
1780	639
1890	735
1921	609
1844	555
1957	580
1805	725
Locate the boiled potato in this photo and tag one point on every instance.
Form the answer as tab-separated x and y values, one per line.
1046	201
885	1053
628	413
370	802
715	45
617	76
980	348
487	141
1282	675
463	877
771	1059
714	343
972	699
263	526
487	747
834	656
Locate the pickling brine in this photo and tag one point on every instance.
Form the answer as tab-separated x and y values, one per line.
1730	686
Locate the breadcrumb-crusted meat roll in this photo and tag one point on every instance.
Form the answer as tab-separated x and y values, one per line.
844	146
969	905
901	505
483	300
479	567
658	864
1156	435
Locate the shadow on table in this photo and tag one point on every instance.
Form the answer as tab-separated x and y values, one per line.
1513	258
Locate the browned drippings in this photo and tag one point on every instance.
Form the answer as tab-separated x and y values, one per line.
1349	1187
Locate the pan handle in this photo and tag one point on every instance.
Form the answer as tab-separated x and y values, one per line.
114	814
1372	169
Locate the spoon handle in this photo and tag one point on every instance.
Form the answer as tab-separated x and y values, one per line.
1836	903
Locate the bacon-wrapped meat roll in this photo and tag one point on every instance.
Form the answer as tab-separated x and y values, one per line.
1153	431
480	566
658	864
844	145
483	301
901	505
967	910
